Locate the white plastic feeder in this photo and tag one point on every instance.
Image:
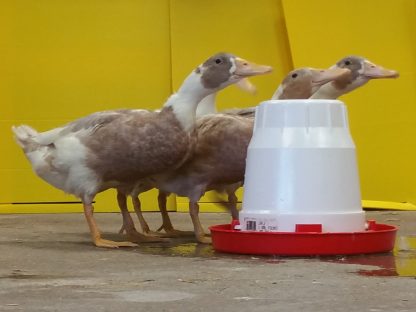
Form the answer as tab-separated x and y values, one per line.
302	193
302	169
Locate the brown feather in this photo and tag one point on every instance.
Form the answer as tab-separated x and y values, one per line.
132	146
219	156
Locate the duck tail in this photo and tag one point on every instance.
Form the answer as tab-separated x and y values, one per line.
25	137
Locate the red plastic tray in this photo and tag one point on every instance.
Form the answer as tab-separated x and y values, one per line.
379	238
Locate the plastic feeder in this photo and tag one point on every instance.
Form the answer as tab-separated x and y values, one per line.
302	193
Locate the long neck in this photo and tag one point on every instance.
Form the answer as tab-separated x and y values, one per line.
334	89
278	93
207	105
328	91
185	101
294	92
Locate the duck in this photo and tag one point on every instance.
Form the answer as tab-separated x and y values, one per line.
361	71
218	161
206	106
114	148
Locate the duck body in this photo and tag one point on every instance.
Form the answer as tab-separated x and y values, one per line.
218	158
118	148
153	143
217	163
110	149
88	156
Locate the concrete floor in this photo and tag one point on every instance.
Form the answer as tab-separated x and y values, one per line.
47	263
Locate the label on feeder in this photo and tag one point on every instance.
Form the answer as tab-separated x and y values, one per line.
260	224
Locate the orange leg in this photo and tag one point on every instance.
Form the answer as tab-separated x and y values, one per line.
198	229
95	232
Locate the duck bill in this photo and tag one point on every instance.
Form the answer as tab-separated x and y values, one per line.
373	71
246	69
323	76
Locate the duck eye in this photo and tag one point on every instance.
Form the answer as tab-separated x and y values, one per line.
294	75
218	61
347	63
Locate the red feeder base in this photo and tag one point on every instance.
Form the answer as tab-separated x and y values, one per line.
378	238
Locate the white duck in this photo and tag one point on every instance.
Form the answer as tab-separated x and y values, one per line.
112	149
218	162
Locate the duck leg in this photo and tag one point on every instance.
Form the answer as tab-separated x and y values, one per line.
95	232
232	200
198	229
128	224
167	224
138	210
145	227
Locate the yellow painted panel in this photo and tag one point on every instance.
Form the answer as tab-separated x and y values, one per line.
203	207
41	207
374	204
209	202
381	113
70	58
104	202
24	186
61	60
252	29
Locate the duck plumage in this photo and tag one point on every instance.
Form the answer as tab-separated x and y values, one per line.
109	149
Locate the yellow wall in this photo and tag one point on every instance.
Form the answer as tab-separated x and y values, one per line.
382	113
60	60
66	59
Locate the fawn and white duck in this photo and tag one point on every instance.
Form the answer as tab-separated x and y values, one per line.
115	148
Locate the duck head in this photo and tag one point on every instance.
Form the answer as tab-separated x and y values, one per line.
302	83
361	71
224	69
207	105
216	73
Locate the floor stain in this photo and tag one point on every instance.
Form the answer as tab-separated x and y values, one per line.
400	262
20	275
153	296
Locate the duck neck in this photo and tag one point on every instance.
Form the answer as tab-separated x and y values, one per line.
286	93
207	105
327	92
278	94
185	101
